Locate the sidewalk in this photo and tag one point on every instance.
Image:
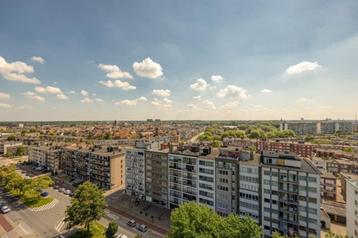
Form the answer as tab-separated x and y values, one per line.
156	218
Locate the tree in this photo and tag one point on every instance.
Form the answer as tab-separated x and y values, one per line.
20	151
87	205
11	138
333	235
111	230
194	220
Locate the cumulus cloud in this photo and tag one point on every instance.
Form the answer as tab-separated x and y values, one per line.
197	97
233	92
72	92
217	78
192	106
209	104
98	99
114	72
118	84
38	59
17	71
33	96
199	85
165	103
51	90
4	95
87	100
304	66
132	102
4	105
161	92
84	93
266	91
148	69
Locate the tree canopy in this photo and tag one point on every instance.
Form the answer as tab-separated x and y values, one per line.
194	220
87	205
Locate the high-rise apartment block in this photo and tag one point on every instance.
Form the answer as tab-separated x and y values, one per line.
46	156
304	127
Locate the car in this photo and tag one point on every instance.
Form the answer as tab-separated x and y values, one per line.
121	236
68	192
131	223
5	209
44	194
56	187
40	168
62	190
142	228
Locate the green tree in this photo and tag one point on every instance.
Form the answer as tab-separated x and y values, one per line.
20	151
87	205
333	235
192	220
11	138
111	230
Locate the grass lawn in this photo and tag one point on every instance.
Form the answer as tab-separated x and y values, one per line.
37	203
96	231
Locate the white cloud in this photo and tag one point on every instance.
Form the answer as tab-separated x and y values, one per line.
114	72
233	92
72	92
133	102
192	106
33	96
4	105
4	95
217	78
84	93
118	84
304	66
38	59
148	68
197	97
161	92
52	90
165	103
16	71
199	85
266	91
87	100
209	104
62	97
98	99
230	105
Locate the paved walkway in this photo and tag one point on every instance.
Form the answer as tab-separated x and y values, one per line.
5	224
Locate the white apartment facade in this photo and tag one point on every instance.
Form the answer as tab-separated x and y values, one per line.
352	208
206	181
135	172
290	196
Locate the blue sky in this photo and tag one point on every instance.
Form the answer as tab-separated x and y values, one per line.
270	60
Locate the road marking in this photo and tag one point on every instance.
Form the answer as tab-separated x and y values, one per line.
45	207
60	225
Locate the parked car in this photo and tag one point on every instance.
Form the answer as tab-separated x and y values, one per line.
5	209
56	187
44	194
142	228
62	190
131	223
68	192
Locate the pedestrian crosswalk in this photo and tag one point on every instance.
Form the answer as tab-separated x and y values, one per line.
45	207
60	226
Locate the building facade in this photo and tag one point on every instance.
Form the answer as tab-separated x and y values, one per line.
47	157
352	208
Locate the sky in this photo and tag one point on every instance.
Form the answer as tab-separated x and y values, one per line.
210	60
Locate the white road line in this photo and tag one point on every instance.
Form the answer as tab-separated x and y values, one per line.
45	207
60	225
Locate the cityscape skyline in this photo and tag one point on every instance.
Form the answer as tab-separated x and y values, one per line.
187	61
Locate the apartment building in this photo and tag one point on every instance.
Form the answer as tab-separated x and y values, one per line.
46	156
249	185
344	177
191	175
352	208
227	181
101	165
302	127
9	146
337	166
135	168
328	186
290	195
156	176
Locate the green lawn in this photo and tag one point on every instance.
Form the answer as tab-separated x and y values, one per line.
37	202
96	231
